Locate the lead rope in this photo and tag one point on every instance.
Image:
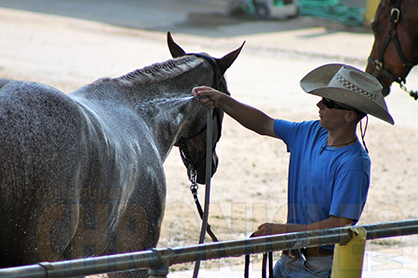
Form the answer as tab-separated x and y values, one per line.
266	255
208	162
207	189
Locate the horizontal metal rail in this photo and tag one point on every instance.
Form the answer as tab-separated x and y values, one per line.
155	258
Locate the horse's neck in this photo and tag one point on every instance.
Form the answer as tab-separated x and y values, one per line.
168	118
159	94
162	95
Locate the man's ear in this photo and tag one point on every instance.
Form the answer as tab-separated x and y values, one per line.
351	116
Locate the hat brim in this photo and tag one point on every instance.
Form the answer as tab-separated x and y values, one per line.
316	82
352	99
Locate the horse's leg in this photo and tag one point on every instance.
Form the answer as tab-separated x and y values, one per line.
150	242
139	227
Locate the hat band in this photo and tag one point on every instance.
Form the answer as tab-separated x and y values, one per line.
343	82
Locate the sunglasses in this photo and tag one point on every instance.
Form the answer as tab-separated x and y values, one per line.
330	104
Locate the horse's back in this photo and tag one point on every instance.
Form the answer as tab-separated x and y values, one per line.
40	138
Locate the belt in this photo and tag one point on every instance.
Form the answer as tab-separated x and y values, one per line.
308	252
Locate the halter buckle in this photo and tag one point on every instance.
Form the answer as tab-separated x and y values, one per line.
378	64
395	13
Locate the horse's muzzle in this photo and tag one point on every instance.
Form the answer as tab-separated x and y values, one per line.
201	171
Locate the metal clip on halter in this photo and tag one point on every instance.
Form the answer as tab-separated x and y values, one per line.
411	93
414	94
193	188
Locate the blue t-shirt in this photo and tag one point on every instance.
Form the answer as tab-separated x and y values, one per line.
333	182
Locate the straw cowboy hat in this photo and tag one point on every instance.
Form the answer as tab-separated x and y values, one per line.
349	86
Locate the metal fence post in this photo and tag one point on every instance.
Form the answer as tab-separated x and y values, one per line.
348	258
160	272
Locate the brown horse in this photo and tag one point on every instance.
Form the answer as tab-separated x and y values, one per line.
82	175
395	49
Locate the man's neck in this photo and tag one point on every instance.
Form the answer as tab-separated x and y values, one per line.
342	137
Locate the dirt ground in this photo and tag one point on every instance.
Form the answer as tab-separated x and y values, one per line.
250	185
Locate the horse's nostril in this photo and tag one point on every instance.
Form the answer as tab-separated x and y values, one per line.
386	91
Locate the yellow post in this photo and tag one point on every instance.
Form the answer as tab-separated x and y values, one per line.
348	258
370	11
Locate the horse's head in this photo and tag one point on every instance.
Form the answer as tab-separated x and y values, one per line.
395	49
193	145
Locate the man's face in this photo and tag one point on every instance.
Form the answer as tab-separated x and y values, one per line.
331	118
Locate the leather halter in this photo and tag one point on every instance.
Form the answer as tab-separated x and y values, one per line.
182	142
392	35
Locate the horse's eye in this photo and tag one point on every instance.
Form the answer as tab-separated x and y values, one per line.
373	25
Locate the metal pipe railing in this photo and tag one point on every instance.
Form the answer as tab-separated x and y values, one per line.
155	258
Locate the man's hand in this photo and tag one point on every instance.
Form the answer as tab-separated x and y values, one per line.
206	96
246	115
270	229
275	228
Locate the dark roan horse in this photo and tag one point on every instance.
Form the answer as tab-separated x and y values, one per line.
82	174
395	49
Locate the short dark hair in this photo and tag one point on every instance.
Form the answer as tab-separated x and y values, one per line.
360	115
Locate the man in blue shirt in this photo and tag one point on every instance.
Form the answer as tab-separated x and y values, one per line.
329	170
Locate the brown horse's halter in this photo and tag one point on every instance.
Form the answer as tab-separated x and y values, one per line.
393	35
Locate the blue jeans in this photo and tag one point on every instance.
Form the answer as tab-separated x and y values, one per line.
287	267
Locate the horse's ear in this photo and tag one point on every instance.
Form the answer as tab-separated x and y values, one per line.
175	50
225	62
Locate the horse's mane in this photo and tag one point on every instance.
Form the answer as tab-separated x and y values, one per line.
159	71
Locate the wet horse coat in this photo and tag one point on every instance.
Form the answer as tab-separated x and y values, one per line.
82	174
